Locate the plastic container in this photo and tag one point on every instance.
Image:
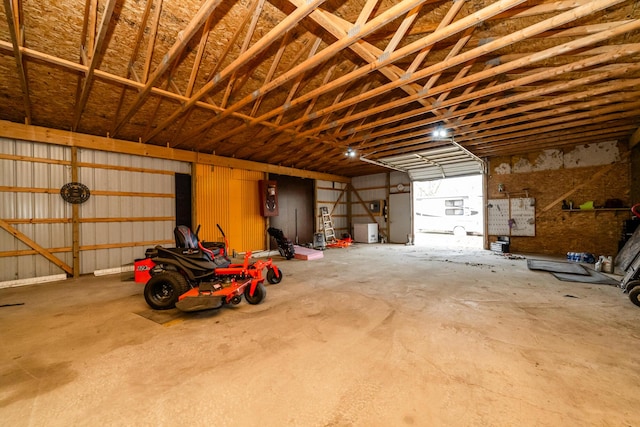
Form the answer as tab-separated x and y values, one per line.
598	266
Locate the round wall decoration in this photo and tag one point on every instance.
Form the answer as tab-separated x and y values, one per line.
75	192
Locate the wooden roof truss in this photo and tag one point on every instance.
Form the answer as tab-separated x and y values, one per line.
297	82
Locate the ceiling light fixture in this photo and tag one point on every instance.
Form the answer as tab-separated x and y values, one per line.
440	132
350	152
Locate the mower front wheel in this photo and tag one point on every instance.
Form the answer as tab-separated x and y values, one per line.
272	278
162	291
258	294
631	285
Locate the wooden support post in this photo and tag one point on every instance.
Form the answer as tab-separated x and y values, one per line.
387	198
75	217
635	139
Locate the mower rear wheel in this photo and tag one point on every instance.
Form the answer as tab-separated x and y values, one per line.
634	295
162	291
272	278
258	294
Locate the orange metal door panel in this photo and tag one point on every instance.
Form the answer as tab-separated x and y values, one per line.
230	197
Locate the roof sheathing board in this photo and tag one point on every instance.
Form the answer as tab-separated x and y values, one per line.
313	133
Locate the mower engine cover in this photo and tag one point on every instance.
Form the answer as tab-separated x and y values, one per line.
142	270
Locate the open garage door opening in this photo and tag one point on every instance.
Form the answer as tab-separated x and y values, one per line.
449	212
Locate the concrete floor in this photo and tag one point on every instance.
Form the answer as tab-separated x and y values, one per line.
371	335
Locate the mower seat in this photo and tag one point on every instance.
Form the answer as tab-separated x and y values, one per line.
185	238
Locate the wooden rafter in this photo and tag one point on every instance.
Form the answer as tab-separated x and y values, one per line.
481	50
134	55
419	45
501	75
601	57
97	53
561	104
198	60
572	45
243	49
174	53
13	10
497	89
312	51
272	70
555	126
278	31
320	58
588	134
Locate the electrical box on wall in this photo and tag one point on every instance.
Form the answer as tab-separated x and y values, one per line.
375	207
268	198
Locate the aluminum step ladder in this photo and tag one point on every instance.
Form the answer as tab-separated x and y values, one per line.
327	225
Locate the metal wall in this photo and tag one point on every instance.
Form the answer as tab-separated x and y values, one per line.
379	188
333	196
231	198
369	188
132	206
30	203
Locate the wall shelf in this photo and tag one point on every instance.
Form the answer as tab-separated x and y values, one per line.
598	210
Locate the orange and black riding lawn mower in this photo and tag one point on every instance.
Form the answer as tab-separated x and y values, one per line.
197	276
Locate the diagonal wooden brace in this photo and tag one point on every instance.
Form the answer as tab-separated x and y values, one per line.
44	252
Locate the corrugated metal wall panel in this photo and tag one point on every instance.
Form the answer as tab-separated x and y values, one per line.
370	188
328	193
32	205
125	206
48	206
211	194
230	197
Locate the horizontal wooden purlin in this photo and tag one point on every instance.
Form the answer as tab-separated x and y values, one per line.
4	188
125	168
93	192
39	221
34	159
135	219
126	245
5	254
131	194
89	220
71	139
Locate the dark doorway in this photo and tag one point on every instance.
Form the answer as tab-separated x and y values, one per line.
295	204
183	199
